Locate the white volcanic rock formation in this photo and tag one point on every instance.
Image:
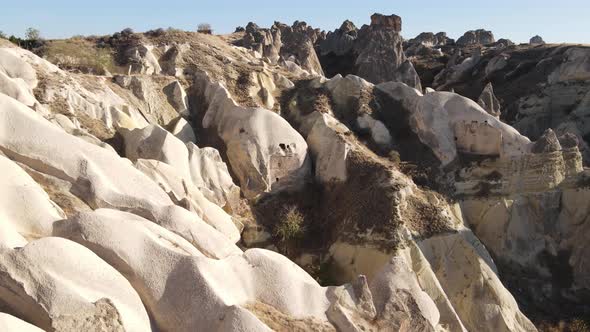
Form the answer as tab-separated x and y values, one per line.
261	159
11	323
450	123
59	285
92	171
118	211
20	190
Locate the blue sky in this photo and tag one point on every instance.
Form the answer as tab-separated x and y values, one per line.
555	21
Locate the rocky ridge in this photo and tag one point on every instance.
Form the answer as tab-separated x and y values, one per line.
416	208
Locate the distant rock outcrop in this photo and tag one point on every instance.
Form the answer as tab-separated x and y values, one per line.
380	50
298	41
380	21
502	43
480	36
536	40
287	43
430	39
375	52
266	42
339	41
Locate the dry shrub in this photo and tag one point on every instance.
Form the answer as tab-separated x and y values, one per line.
79	55
290	226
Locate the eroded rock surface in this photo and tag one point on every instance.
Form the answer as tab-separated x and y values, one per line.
404	210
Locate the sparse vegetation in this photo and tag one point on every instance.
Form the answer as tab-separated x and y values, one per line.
573	325
205	28
31	41
3	35
79	55
33	34
279	321
325	272
290	227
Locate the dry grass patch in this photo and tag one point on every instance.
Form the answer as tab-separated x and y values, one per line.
281	322
79	55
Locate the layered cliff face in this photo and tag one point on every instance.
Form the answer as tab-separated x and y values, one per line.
194	179
538	86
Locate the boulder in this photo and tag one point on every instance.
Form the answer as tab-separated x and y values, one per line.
58	285
177	97
329	149
172	60
379	132
443	39
547	143
25	208
345	90
430	39
155	142
536	40
264	88
501	43
488	101
183	131
480	36
406	73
